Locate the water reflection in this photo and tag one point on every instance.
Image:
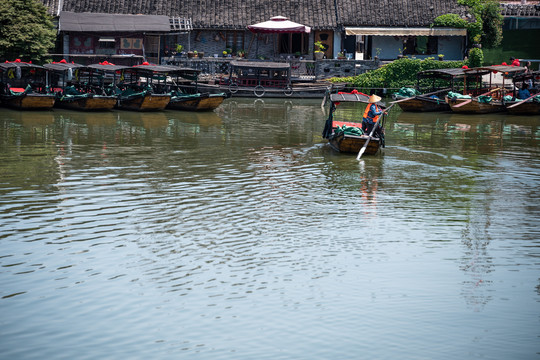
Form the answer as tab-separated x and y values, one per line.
243	219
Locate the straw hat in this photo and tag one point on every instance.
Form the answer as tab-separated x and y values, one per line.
374	98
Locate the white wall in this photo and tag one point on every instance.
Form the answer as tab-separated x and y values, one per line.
337	44
388	45
451	47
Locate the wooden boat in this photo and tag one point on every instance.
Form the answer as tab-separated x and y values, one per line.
265	80
24	86
188	98
353	140
196	102
483	100
530	106
430	101
132	92
76	88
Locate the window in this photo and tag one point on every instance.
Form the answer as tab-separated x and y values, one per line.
235	40
420	45
293	43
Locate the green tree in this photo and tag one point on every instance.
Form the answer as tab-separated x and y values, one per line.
26	30
492	22
489	21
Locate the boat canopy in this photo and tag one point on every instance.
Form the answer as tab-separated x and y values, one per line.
186	73
62	66
13	65
506	69
349	97
441	73
108	67
260	65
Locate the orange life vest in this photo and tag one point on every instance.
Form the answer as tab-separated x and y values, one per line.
366	112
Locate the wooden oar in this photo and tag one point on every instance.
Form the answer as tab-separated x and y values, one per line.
421	95
363	149
471	99
521	102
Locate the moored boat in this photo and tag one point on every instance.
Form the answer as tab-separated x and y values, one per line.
78	87
24	86
412	100
132	92
478	100
348	136
189	98
266	80
529	105
196	102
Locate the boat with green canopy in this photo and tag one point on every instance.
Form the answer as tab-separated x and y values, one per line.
78	87
25	86
188	98
411	99
346	135
483	96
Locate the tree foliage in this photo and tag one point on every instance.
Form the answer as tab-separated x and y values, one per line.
397	74
488	22
26	30
476	57
492	22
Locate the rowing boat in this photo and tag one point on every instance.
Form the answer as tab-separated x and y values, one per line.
24	86
347	136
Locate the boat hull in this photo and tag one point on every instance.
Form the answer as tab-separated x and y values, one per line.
526	108
475	107
313	91
29	101
207	102
345	143
424	105
94	103
144	102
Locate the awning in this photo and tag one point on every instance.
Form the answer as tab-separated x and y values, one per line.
70	21
389	31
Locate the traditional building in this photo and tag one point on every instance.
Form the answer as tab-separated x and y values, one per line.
152	28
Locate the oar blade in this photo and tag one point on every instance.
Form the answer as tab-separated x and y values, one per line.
361	152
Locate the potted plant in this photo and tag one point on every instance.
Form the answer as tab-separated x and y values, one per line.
241	53
441	57
341	55
319	52
200	54
191	54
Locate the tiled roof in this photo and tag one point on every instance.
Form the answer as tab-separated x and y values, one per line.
519	10
237	14
395	12
231	14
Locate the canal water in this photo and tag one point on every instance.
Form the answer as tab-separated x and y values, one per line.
239	234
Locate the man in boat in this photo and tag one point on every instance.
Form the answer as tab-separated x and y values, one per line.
371	115
524	93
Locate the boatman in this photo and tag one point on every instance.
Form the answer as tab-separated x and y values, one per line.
524	93
371	115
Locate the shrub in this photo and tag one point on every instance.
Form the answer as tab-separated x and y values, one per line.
476	57
397	74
